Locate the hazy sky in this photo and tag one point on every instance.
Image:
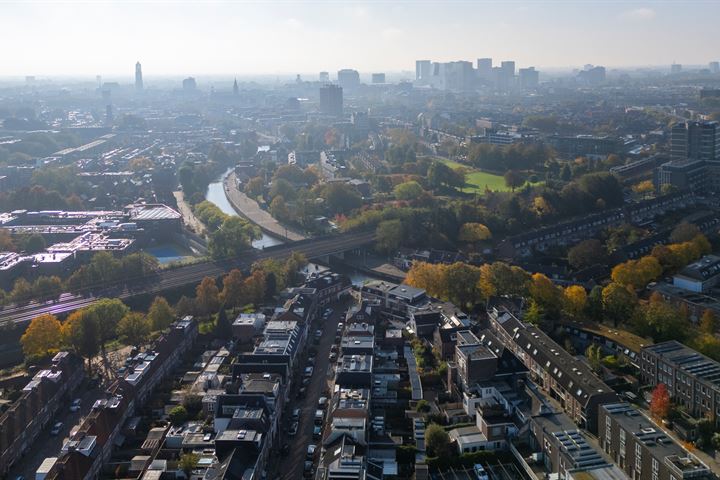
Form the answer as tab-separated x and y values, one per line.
245	37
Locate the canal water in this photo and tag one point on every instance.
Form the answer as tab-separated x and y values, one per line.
216	195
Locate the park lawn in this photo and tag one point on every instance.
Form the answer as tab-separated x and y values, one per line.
476	181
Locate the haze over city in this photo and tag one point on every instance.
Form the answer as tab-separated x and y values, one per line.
247	37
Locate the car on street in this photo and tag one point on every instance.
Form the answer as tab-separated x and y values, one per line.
308	371
318	333
333	356
480	473
75	405
317	430
293	429
56	428
319	417
311	450
308	469
296	414
301	392
340	327
322	402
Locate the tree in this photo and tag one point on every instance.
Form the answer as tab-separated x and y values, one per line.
439	174
684	232
21	292
188	462
35	243
279	209
708	322
207	296
474	233
660	321
185	306
223	329
160	314
232	238
594	356
575	300
232	292
254	287
619	302
408	190
133	328
545	293
80	331
422	406
107	313
390	235
254	187
340	198
178	415
660	402
586	254
47	288
6	242
42	337
437	441
513	179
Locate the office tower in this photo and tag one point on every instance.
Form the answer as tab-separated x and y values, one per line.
423	70
484	68
675	68
331	100
98	80
348	78
108	114
695	140
236	89
138	76
592	76
529	78
378	78
714	67
325	77
508	67
189	84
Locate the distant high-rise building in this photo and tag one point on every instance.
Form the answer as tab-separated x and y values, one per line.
98	80
108	114
378	78
189	84
508	67
331	100
423	70
529	78
325	77
236	89
714	67
348	78
138	76
675	68
592	76
695	140
484	68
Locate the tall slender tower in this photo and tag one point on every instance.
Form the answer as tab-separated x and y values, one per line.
138	76
236	89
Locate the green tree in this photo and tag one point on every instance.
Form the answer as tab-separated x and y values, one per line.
178	415
80	331
35	244
279	209
21	292
437	441
160	314
587	253
619	302
133	329
340	198
408	191
107	313
223	329
594	356
233	238
513	179
48	288
390	236
188	462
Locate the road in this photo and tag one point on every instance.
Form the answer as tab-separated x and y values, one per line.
250	209
48	445
188	216
190	275
291	465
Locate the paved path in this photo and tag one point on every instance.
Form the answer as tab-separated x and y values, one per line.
188	217
250	209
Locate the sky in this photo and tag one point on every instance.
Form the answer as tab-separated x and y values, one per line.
236	37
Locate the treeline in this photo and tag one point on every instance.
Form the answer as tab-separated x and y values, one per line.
87	331
228	236
517	156
102	271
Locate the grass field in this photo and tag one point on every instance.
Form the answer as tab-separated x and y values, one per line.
475	180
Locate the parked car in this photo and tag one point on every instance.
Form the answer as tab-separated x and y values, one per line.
308	469
293	429
333	356
317	430
318	333
340	327
75	405
56	428
322	402
308	371
311	450
480	473
319	417
301	392
296	414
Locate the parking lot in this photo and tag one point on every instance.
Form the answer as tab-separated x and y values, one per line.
497	471
290	466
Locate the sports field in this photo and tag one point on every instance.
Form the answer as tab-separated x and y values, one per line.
475	180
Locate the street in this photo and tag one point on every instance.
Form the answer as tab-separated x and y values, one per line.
48	445
290	466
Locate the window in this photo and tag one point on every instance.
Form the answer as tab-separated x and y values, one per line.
638	458
655	469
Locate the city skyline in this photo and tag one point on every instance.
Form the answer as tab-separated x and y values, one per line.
213	38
